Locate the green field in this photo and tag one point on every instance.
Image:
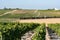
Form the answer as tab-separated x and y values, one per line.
19	15
2	11
30	14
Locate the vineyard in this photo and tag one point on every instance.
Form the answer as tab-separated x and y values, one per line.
14	31
14	27
23	31
55	28
40	33
54	31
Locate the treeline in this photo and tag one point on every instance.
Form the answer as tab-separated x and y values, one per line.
11	8
38	17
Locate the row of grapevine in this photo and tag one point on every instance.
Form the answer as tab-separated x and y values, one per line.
14	31
40	33
55	28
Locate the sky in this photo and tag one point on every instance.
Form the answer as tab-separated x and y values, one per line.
30	4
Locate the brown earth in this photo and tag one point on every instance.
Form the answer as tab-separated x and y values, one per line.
23	11
50	20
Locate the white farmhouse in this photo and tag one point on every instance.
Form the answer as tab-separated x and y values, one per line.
55	9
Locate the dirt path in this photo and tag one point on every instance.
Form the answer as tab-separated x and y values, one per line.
47	21
28	35
35	11
47	33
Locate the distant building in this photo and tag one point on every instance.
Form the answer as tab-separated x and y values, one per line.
55	9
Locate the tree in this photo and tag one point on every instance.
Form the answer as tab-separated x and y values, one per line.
17	8
5	8
9	8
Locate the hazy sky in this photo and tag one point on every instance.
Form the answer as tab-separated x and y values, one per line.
30	4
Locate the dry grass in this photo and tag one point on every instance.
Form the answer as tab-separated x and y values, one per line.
23	11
